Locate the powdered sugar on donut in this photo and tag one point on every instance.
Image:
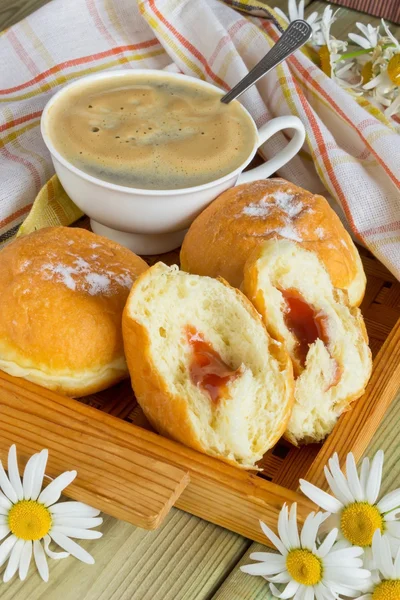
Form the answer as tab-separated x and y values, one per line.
84	277
284	200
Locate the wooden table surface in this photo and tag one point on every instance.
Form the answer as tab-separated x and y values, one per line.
187	559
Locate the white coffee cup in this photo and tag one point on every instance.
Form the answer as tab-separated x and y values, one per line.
154	221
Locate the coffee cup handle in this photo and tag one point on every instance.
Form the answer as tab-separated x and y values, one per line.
276	162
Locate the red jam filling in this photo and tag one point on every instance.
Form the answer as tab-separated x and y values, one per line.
307	325
207	369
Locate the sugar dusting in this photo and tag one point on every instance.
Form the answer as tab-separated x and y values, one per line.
24	265
82	276
257	210
320	233
287	203
284	200
98	284
289	233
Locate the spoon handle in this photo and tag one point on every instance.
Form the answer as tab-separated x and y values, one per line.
295	36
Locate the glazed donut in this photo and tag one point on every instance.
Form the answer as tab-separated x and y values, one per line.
62	292
325	338
223	236
203	367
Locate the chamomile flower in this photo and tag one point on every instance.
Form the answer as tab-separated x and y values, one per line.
385	583
331	50
355	508
297	12
30	518
385	82
309	569
370	37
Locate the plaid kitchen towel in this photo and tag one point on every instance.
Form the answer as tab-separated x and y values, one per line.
352	152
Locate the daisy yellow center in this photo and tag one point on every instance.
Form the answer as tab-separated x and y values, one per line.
29	520
393	69
359	521
304	567
325	58
366	72
387	590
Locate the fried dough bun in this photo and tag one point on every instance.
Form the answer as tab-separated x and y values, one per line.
326	339
62	293
222	237
203	367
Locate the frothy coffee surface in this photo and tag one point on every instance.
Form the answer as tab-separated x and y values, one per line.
150	132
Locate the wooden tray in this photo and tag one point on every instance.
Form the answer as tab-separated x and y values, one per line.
134	474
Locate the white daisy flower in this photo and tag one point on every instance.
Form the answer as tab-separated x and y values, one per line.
385	583
370	36
309	569
30	516
297	12
330	53
355	508
385	74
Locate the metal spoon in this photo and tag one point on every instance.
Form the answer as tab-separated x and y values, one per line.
295	36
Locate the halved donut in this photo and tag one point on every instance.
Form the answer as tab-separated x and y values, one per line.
325	338
203	367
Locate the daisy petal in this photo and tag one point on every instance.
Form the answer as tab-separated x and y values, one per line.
340	589
375	477
5	504
272	559
321	498
283	521
262	568
310	530
336	489
50	553
76	532
40	560
339	478
397	565
390	501
385	558
72	547
13	472
364	473
52	493
393	527
29	473
292	10
289	590
353	479
13	562
345	576
69	509
393	515
358	39
25	560
344	556
4	530
39	474
6	548
283	577
309	593
273	538
82	522
327	544
6	485
292	527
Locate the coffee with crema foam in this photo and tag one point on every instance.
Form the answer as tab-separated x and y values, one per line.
150	132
